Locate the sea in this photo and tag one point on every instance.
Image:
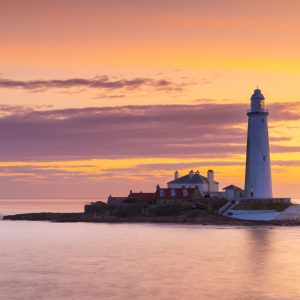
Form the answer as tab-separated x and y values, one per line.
44	260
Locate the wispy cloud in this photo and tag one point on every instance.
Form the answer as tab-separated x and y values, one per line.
207	130
105	96
99	83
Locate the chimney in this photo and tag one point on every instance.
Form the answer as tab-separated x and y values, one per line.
191	174
210	176
157	187
176	175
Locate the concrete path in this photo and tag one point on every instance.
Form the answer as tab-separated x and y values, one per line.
254	215
291	213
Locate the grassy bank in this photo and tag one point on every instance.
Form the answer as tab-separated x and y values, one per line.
262	205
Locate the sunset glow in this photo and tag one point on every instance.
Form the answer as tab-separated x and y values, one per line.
127	92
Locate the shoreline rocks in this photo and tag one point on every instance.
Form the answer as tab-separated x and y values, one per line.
207	219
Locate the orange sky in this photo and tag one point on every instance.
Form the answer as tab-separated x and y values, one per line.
190	52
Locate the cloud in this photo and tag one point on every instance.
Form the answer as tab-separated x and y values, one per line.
204	100
203	130
99	83
285	111
105	96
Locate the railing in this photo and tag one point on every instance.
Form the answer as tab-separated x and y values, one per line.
264	111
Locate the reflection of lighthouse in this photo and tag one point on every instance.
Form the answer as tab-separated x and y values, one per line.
258	182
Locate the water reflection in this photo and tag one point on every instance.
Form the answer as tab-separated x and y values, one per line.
259	246
41	260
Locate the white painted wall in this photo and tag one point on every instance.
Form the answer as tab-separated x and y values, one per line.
202	187
230	194
258	168
258	181
215	187
234	194
254	215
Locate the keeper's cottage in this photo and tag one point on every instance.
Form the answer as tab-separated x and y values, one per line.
197	181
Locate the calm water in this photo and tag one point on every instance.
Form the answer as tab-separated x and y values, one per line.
41	260
16	206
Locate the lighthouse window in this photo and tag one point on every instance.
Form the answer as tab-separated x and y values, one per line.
264	158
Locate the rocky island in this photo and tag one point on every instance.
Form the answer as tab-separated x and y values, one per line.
135	212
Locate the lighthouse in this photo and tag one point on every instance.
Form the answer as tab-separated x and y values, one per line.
258	181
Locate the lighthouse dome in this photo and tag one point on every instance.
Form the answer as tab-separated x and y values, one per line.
257	95
257	101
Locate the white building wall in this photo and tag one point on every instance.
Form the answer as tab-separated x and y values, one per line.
234	194
215	187
230	193
202	187
211	178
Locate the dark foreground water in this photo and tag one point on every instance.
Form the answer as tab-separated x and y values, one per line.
41	260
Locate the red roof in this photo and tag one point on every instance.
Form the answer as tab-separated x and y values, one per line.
232	187
142	196
174	193
117	198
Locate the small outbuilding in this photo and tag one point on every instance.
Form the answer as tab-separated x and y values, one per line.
233	192
115	201
141	197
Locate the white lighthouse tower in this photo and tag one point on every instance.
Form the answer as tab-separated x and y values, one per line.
258	181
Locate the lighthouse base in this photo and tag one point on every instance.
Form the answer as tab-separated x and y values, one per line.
265	209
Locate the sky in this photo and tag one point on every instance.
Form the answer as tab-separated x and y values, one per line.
102	97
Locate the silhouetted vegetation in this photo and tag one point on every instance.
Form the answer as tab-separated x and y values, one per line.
96	208
135	208
130	210
219	203
262	205
170	209
132	200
